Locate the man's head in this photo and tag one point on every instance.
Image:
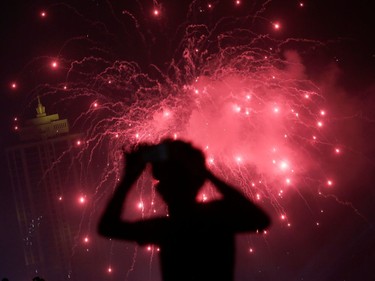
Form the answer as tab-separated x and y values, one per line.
181	171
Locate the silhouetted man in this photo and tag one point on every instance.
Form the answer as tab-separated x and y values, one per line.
196	240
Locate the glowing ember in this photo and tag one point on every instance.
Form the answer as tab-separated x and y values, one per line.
276	26
82	200
54	64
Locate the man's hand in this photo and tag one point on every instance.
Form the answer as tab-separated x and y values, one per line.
134	164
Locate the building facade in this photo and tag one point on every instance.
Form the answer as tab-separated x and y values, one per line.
43	175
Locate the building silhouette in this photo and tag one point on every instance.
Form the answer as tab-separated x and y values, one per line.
43	176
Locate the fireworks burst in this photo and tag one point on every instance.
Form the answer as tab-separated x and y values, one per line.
241	96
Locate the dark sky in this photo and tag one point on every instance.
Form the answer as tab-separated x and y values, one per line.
29	42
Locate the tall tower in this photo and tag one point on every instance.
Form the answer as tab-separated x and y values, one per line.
42	173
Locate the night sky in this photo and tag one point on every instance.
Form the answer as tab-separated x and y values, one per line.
335	44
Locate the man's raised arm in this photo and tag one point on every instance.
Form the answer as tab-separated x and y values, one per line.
111	224
242	214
